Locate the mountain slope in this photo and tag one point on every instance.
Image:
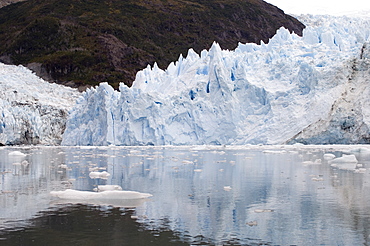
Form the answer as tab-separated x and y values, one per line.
90	41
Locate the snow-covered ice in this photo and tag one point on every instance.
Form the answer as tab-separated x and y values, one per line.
32	111
310	89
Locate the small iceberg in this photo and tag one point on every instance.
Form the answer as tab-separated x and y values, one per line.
263	210
109	194
329	156
346	162
115	198
315	162
101	188
17	153
99	175
227	188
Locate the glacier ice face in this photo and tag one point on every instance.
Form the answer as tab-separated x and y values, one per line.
287	90
32	111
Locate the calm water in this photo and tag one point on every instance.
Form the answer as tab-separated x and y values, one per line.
256	195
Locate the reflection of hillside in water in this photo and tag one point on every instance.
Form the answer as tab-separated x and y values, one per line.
215	194
88	225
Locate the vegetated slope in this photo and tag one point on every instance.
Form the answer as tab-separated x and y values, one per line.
90	41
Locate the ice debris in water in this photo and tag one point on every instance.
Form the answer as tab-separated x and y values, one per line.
99	175
315	162
101	188
263	210
252	223
25	163
360	170
346	162
17	153
345	159
329	156
71	194
227	188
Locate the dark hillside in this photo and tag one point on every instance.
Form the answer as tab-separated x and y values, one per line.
79	42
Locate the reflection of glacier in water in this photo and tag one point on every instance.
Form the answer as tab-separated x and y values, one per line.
215	195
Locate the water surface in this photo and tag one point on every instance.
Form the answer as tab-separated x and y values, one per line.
202	195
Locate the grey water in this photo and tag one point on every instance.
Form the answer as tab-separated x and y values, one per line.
202	195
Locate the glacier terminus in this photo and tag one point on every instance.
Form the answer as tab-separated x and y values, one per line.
311	89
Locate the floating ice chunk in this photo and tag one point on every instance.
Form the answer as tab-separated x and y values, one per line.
329	156
99	175
16	153
345	159
93	169
316	162
252	223
317	179
187	162
346	162
102	188
263	210
104	195
63	166
274	151
360	170
227	188
25	163
198	170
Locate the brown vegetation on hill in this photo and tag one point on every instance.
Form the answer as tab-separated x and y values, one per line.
90	41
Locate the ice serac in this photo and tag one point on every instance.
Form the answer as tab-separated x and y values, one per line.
292	89
32	111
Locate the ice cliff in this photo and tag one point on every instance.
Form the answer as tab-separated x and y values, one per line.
32	111
310	89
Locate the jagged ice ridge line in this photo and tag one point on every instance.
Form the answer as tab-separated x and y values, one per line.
256	94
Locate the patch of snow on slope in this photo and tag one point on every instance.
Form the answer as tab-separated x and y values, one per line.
32	111
256	94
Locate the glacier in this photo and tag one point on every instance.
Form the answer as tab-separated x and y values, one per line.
32	111
311	89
